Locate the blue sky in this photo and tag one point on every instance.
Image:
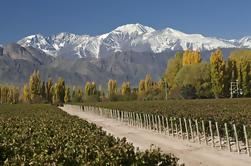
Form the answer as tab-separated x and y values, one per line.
221	18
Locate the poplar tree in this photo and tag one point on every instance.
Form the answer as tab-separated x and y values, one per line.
125	89
141	88
79	95
67	95
34	86
173	66
43	91
148	82
26	94
90	88
59	91
112	87
217	66
49	91
191	57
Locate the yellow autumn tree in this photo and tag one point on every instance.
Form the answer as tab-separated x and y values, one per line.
173	66
67	96
112	87
191	57
34	87
26	94
148	82
141	88
217	67
125	88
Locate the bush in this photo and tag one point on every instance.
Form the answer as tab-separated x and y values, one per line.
188	92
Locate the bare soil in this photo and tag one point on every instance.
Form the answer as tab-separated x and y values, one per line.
192	154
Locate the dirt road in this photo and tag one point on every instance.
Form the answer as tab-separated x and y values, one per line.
192	154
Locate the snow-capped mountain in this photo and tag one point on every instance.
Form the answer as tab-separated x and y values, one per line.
130	37
245	42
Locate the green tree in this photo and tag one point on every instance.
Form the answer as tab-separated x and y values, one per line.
242	61
79	95
217	66
43	91
188	92
173	66
90	89
34	84
48	90
197	76
59	91
67	95
26	94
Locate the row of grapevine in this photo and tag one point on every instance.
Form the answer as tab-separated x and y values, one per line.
226	136
39	134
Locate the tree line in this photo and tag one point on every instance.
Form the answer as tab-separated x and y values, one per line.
186	76
9	94
190	77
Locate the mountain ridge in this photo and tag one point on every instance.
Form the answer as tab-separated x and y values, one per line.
129	37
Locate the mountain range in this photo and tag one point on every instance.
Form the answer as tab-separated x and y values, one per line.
130	37
126	53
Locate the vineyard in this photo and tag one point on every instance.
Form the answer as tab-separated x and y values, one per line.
45	135
221	123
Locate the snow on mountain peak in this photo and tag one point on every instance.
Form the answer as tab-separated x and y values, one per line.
129	37
245	42
134	28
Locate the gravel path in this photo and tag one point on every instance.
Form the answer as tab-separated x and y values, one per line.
192	154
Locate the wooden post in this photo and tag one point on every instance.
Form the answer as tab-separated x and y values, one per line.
134	119
140	120
167	126
137	119
149	121
236	139
218	134
187	134
156	122
163	123
159	126
130	118
204	131
191	129
211	133
122	116
181	131
176	128
144	121
197	130
171	119
246	140
228	141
